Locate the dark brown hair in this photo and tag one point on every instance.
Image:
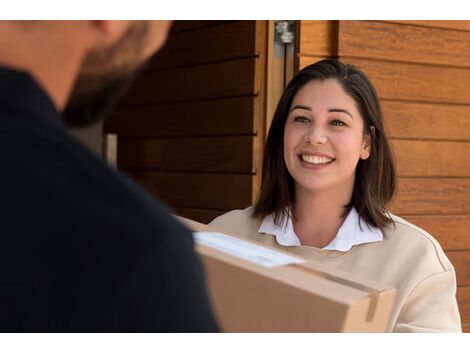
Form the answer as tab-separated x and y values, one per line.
375	181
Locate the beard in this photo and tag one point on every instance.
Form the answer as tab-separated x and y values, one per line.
105	76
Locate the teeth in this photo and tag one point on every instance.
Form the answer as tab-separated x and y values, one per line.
316	159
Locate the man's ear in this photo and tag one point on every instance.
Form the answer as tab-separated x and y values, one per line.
366	148
109	31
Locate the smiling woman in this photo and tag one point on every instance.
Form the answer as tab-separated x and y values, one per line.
328	176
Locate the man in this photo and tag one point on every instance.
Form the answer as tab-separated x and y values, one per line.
81	247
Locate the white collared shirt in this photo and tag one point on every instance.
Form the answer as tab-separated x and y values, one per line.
349	234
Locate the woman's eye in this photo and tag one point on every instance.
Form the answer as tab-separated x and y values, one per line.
301	119
337	123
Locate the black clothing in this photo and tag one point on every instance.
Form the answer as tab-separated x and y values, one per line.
82	248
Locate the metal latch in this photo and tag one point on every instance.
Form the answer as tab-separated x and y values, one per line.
284	32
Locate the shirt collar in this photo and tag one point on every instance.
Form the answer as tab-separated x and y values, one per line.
349	234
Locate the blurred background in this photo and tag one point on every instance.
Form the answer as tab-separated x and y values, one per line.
192	128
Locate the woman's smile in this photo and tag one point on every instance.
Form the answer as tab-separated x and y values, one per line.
315	162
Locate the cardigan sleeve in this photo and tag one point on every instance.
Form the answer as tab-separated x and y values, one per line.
431	306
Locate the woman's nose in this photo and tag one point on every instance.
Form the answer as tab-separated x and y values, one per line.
316	136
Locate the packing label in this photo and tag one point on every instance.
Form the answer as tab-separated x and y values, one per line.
245	250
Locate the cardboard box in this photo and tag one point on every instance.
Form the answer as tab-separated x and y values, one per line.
255	288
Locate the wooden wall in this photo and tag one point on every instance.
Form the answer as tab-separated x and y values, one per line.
191	129
421	70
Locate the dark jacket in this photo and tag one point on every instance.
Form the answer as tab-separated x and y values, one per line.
82	248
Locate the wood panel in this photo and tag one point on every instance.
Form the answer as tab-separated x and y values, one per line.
420	196
459	25
463	300
220	80
191	190
466	328
181	26
426	121
451	231
200	118
461	261
398	42
413	82
318	38
202	215
306	60
208	44
431	158
214	154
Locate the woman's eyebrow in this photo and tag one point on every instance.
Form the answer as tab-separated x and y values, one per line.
341	110
301	107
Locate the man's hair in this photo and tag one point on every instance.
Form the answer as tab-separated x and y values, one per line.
375	178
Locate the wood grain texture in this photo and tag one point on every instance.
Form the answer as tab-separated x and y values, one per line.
191	190
398	42
451	231
431	158
466	328
202	215
318	38
219	80
199	118
413	82
463	300
306	60
427	120
211	154
260	109
208	44
461	262
421	196
459	25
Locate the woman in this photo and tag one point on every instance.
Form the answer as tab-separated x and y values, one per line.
328	175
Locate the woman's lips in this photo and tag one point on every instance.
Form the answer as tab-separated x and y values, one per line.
315	162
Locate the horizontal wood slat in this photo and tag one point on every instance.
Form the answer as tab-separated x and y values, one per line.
202	215
430	158
184	25
190	190
220	80
459	25
463	300
305	60
397	42
428	121
225	116
207	45
466	328
414	82
212	154
451	231
461	262
420	196
318	38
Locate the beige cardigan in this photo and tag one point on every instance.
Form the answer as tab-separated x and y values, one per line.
408	259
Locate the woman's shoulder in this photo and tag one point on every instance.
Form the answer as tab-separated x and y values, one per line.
237	221
413	239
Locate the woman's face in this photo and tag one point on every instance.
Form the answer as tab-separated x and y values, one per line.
324	137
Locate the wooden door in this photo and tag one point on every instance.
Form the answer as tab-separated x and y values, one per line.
421	70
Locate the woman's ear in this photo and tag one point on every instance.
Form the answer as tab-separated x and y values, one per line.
366	148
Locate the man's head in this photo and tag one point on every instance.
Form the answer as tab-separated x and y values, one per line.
108	69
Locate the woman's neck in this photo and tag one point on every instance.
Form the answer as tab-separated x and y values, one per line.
318	214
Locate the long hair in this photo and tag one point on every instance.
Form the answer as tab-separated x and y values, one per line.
375	179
